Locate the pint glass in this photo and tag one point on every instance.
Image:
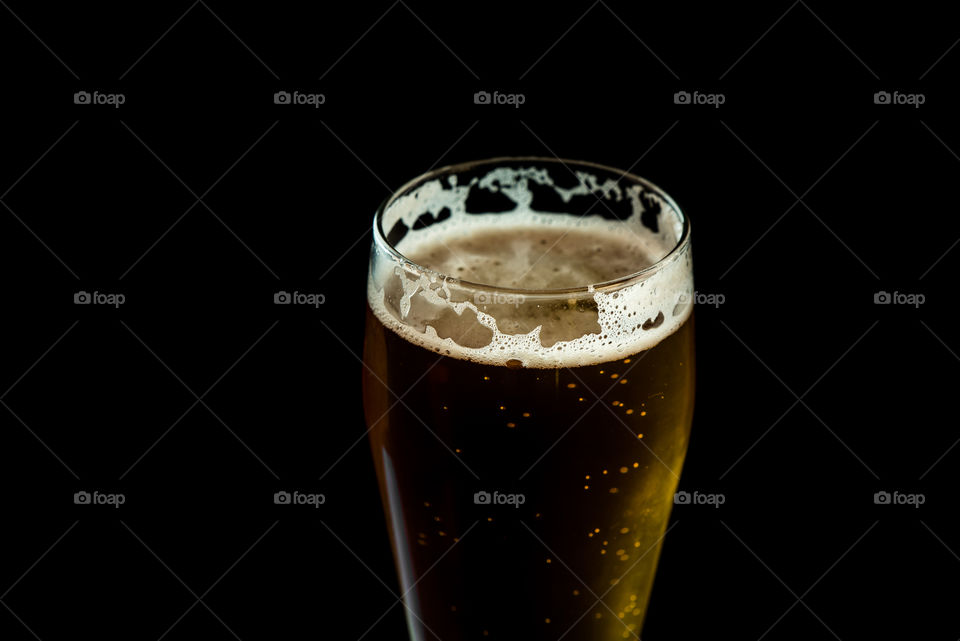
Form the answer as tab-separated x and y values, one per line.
528	389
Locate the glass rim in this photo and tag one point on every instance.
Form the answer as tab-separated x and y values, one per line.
380	238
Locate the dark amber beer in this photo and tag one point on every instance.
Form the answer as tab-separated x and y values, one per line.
528	389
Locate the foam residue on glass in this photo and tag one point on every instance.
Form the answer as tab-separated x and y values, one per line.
511	319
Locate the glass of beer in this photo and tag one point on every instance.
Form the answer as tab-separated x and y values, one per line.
528	388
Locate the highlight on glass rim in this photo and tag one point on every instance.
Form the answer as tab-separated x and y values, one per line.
528	388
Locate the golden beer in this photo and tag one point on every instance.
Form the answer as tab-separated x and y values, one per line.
529	390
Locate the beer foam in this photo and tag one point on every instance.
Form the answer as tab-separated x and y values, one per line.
444	284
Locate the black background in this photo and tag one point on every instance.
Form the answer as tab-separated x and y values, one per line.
199	198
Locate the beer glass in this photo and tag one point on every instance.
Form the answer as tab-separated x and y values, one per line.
528	388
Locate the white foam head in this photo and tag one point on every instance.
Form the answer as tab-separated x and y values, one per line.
588	324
